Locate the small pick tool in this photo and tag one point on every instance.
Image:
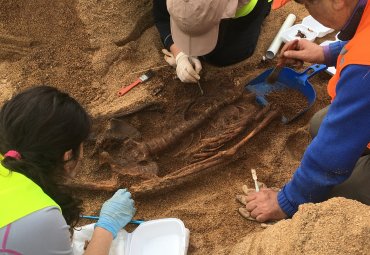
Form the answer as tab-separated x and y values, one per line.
254	176
143	78
199	86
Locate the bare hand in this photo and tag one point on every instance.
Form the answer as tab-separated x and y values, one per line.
305	51
264	206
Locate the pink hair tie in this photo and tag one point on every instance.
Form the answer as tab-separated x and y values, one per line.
13	154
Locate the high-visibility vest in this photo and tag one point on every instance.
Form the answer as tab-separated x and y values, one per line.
355	52
20	196
247	8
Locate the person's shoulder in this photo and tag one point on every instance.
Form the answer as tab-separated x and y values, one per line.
42	232
50	216
47	220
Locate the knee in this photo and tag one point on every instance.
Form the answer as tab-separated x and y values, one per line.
314	125
316	121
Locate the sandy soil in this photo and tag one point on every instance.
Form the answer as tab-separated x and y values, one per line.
92	48
314	230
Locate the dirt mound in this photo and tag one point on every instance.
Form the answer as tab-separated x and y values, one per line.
337	226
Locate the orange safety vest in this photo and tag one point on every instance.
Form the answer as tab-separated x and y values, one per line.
355	52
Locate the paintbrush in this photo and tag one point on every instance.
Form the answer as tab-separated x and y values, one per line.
146	76
274	75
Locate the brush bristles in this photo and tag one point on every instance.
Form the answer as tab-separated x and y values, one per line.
274	75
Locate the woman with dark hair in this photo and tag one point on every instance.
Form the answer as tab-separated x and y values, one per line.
41	136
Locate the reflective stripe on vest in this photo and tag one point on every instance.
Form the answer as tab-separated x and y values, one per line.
19	196
355	52
246	9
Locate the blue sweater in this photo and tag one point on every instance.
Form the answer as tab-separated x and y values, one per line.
343	136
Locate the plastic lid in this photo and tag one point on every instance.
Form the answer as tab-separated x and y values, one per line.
313	24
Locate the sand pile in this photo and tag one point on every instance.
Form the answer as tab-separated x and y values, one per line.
337	226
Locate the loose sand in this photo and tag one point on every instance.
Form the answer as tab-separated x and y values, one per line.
337	226
92	48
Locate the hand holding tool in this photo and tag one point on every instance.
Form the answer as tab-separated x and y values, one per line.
274	75
116	212
188	71
149	74
242	198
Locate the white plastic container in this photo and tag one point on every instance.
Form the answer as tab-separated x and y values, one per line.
310	27
159	237
156	237
316	26
276	43
293	32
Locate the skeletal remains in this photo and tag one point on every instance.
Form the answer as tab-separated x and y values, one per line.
138	155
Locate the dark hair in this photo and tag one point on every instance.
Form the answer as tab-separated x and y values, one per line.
41	124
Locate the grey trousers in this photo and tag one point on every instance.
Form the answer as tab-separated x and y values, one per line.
357	186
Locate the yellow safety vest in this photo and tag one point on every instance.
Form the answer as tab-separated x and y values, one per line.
246	9
19	196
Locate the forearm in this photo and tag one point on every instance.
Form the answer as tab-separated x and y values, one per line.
100	242
174	50
162	22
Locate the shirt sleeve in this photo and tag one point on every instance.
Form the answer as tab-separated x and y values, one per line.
332	51
162	22
343	136
44	232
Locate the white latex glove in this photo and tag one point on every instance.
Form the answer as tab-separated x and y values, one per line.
169	58
188	68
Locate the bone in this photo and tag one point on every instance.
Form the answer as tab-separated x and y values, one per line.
215	143
11	44
157	145
110	186
175	178
147	169
181	175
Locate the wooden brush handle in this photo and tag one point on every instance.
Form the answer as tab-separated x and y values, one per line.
282	59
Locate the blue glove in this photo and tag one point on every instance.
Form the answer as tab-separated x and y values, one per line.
116	212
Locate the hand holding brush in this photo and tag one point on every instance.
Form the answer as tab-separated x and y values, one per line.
274	75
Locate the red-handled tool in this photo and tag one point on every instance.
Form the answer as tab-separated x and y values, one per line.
149	74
